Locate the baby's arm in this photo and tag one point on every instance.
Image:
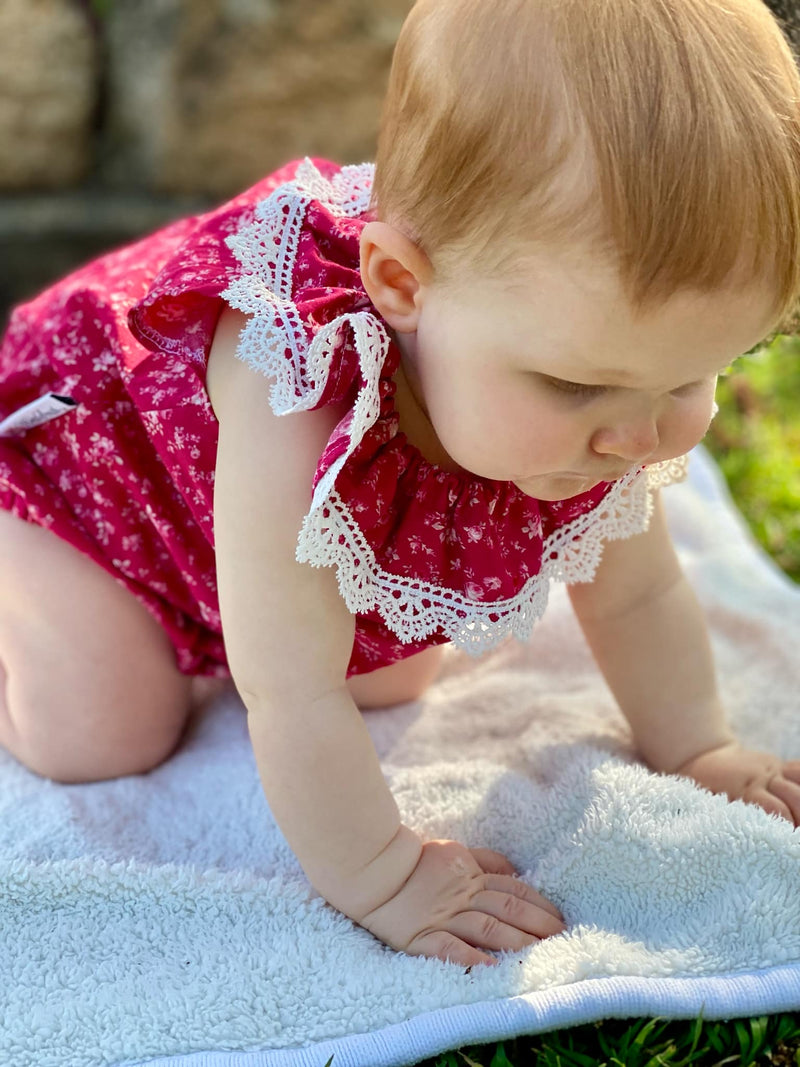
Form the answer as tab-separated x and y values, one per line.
289	637
649	637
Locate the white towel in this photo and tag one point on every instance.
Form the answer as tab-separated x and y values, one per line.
163	919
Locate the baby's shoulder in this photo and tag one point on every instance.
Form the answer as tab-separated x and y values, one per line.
236	390
222	363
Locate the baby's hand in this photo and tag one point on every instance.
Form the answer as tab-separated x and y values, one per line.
755	777
458	900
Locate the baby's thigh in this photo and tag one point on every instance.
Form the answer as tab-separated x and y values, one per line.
399	682
92	689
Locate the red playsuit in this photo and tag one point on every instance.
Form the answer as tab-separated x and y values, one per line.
126	472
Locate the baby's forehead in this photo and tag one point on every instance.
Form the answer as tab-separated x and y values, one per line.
584	320
592	285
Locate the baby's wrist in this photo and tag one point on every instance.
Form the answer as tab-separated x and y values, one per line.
379	880
686	755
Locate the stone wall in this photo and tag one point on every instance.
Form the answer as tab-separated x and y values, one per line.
48	89
176	96
117	115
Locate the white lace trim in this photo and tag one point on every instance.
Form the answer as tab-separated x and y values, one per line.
413	609
266	249
274	343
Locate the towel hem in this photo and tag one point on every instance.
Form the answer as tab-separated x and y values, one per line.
738	995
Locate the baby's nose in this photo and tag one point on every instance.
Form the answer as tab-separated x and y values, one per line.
633	440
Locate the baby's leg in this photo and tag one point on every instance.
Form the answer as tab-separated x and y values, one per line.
89	688
399	682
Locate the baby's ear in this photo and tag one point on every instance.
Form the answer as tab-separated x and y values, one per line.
394	271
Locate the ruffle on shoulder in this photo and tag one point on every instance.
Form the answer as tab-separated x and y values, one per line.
179	312
430	551
299	280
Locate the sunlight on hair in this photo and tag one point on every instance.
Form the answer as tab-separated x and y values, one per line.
663	137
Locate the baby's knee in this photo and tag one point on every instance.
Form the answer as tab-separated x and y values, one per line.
86	757
70	726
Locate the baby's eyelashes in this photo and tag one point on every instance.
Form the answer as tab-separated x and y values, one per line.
581	389
561	385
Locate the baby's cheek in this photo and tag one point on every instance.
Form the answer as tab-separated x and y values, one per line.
689	426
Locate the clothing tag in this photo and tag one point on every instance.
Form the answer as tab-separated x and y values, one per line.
46	407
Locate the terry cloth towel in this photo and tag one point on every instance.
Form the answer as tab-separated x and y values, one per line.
163	919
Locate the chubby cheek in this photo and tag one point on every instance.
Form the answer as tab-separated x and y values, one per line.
686	426
519	438
547	440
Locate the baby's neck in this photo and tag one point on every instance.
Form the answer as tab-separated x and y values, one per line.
414	422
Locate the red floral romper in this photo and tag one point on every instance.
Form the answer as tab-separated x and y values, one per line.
122	466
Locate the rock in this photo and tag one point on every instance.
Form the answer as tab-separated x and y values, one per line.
48	68
207	98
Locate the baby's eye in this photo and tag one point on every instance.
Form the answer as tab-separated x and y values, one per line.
575	388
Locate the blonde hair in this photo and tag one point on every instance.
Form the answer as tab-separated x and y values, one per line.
664	132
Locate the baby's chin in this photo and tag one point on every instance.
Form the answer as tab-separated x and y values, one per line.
561	485
551	487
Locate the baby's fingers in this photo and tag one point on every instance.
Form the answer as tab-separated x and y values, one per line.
789	793
770	803
518	888
441	945
492	862
520	913
791	770
496	863
483	930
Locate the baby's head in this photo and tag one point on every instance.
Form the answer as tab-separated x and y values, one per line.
624	173
662	135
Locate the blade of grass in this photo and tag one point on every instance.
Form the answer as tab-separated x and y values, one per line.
500	1059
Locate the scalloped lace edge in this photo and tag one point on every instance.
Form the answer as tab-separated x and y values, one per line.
329	535
413	609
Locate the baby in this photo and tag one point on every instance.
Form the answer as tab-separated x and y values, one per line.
310	437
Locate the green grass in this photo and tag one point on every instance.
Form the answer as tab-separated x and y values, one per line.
768	1039
755	438
642	1043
